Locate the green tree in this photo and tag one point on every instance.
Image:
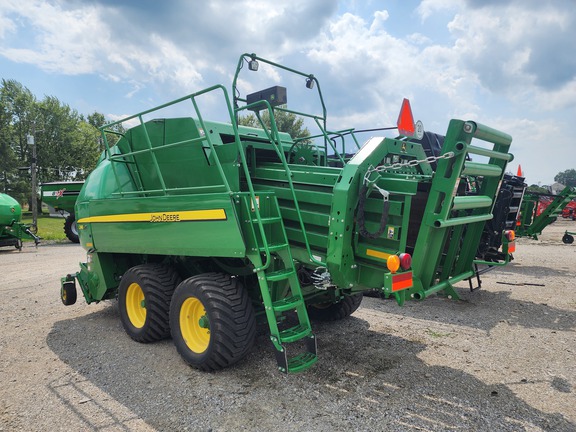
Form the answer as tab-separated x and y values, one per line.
67	144
7	155
567	178
537	189
17	105
98	120
87	148
285	122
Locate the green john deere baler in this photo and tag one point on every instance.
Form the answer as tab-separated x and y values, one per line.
200	228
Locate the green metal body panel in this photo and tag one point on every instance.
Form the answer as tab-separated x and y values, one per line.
61	195
100	277
187	225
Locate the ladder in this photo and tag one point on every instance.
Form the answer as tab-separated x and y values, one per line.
281	293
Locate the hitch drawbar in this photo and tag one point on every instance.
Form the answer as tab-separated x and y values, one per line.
68	290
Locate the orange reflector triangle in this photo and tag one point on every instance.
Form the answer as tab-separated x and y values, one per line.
406	120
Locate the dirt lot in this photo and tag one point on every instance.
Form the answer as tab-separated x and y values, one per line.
501	359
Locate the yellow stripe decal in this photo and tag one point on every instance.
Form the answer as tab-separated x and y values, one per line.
377	254
169	216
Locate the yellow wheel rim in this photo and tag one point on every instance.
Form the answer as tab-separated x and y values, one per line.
136	305
194	325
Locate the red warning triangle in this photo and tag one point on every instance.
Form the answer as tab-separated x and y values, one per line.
406	120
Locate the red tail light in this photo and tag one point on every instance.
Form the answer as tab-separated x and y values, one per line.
405	261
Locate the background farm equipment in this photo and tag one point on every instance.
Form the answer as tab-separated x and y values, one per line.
201	228
569	211
12	230
540	210
62	197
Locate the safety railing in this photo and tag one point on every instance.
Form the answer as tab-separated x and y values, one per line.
151	150
274	138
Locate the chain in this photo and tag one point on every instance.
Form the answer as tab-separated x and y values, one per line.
413	163
400	165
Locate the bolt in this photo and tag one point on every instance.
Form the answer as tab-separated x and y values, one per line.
467	127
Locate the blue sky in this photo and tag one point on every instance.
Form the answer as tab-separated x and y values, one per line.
510	64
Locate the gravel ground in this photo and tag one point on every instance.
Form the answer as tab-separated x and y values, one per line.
500	359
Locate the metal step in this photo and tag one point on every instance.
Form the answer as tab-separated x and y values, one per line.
301	362
298	362
274	247
279	275
287	303
268	220
295	333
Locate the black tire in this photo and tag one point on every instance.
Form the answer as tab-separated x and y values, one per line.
567	239
71	229
335	311
212	321
68	293
144	298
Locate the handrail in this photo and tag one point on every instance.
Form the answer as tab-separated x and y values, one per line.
192	98
320	120
274	137
244	58
208	188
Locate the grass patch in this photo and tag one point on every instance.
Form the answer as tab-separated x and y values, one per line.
438	334
49	228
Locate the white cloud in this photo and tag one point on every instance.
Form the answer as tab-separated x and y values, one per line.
54	39
427	8
6	26
514	49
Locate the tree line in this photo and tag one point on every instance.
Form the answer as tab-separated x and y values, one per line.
67	143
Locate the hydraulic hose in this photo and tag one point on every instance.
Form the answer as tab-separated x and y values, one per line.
360	218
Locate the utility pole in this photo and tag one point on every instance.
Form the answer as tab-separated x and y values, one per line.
30	140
